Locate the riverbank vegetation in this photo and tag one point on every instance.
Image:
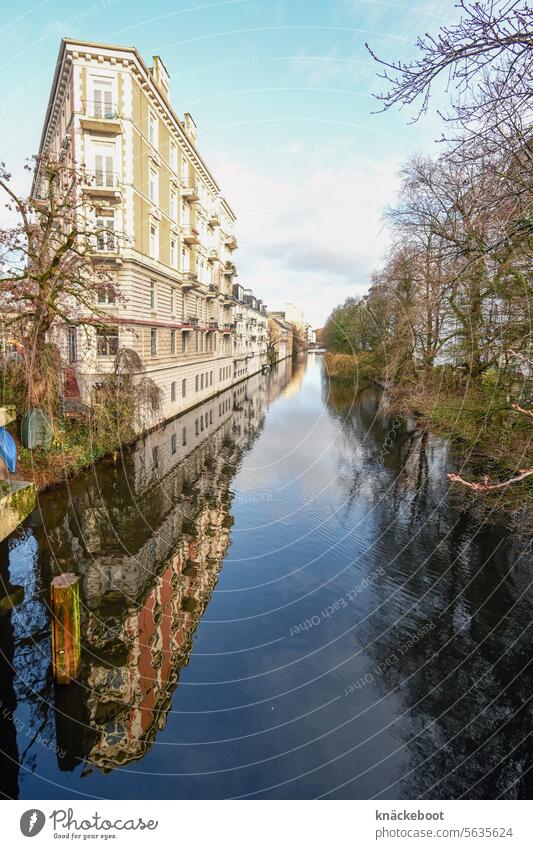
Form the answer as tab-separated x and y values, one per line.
49	283
446	323
83	435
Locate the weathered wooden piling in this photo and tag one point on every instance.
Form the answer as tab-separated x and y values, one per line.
66	653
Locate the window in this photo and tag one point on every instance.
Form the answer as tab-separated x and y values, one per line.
173	391
172	301
173	444
185	260
72	340
211	379
173	156
183	343
153	342
106	293
184	436
155	457
184	171
183	387
154	241
106	341
153	185
105	233
202	381
196	426
152	294
173	254
103	169
152	129
196	383
102	105
172	341
173	206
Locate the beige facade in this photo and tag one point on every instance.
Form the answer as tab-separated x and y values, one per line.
165	236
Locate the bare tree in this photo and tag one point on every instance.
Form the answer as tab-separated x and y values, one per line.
49	273
488	50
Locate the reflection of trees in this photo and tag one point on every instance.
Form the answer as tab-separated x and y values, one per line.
446	570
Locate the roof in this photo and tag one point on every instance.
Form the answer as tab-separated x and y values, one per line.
72	43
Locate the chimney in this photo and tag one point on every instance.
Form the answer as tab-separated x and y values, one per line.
190	127
161	77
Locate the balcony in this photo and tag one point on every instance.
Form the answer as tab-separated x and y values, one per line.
212	292
227	328
104	184
107	249
230	242
213	220
230	269
191	236
101	117
212	326
212	256
190	194
189	280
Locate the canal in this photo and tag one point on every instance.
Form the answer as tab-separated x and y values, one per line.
275	604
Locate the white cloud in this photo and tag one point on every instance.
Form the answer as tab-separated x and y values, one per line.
322	71
312	239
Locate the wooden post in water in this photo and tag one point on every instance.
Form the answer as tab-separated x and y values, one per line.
66	654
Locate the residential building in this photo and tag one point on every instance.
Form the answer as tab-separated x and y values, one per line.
281	337
164	235
281	318
294	315
251	333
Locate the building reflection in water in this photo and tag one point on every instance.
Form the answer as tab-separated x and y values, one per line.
148	537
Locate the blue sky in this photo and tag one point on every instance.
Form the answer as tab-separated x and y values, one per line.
281	91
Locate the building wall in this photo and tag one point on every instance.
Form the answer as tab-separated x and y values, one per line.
171	257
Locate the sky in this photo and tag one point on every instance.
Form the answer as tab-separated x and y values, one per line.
282	93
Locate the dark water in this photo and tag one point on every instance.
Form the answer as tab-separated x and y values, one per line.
277	609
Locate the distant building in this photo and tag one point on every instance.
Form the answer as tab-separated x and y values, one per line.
280	336
295	316
311	336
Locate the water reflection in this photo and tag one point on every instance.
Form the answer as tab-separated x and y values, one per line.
410	682
148	537
449	632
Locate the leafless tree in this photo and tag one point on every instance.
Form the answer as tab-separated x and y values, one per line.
489	51
48	274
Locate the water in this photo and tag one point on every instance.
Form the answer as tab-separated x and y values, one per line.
277	608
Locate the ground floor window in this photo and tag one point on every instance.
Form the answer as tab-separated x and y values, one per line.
106	341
